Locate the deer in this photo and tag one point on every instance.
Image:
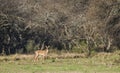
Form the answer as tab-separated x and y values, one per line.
41	52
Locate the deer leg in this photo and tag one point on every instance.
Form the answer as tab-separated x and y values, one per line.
36	57
43	57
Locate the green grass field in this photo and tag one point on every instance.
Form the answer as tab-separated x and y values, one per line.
100	63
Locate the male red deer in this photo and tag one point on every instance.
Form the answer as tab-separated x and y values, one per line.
42	53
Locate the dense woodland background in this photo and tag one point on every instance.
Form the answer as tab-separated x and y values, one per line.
80	26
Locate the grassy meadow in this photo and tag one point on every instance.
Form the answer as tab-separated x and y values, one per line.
65	63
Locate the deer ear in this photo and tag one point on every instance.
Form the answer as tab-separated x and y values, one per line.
47	46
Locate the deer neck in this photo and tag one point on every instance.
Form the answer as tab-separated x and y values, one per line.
47	50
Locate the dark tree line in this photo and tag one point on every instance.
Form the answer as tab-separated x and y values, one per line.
85	25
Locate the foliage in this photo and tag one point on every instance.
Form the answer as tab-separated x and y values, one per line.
62	24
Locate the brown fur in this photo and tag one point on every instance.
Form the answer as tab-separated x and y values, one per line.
42	53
